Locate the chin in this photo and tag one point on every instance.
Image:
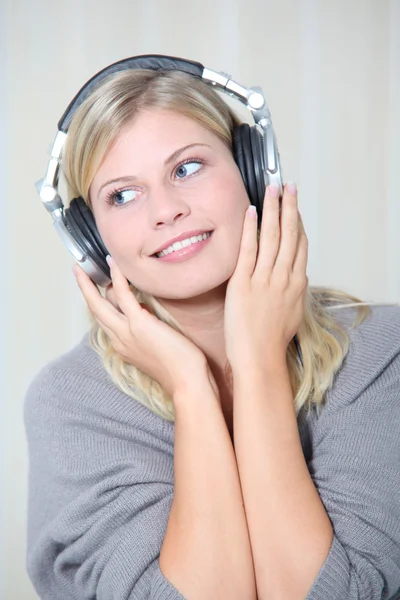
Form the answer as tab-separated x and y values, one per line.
185	288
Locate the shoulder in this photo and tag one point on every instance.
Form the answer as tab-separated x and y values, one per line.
353	456
67	379
372	365
81	360
82	429
376	340
101	481
77	383
382	325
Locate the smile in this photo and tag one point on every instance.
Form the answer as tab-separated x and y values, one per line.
184	249
183	244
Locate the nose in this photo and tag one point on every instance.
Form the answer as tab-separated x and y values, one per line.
166	206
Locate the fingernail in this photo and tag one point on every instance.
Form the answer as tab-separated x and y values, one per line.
109	260
292	187
75	269
273	191
252	210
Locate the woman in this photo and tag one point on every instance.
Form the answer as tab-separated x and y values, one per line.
187	450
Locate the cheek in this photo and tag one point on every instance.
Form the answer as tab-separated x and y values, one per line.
119	236
233	201
235	189
235	211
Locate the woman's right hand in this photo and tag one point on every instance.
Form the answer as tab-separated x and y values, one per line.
140	337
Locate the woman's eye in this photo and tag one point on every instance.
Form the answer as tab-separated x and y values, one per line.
187	169
123	196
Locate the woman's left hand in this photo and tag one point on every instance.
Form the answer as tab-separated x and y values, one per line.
266	294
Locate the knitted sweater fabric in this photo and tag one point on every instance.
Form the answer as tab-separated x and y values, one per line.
101	476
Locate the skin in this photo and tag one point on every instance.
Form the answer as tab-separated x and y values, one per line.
238	300
156	205
213	198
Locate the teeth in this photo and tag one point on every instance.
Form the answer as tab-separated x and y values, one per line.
183	243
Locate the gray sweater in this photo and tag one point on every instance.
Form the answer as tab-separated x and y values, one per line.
101	477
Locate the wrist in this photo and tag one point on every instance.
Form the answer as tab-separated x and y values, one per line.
267	364
201	385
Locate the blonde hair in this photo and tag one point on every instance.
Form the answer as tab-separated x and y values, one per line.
324	341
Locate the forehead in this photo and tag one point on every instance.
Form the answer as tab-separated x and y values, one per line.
162	127
153	135
148	140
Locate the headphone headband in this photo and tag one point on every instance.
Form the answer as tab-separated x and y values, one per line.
258	157
253	99
154	62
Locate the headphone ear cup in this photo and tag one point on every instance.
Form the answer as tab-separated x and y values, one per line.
247	151
238	155
81	224
258	164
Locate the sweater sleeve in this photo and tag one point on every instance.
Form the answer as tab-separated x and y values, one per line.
355	466
100	492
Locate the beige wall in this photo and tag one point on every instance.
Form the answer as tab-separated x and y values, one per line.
331	73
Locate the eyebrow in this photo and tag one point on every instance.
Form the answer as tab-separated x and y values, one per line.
169	160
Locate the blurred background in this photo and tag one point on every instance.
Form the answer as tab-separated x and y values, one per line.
331	74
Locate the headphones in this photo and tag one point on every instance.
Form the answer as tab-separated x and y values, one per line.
254	149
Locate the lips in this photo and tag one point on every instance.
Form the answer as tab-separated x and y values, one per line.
180	237
186	251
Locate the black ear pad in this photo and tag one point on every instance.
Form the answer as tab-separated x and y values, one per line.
258	163
247	151
80	222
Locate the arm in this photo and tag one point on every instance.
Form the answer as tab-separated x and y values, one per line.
206	552
100	487
354	464
290	531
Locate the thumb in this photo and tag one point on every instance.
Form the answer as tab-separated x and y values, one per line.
248	245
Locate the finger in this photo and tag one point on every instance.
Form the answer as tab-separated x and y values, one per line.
100	307
301	259
248	244
270	232
145	307
110	296
289	228
116	342
111	335
123	294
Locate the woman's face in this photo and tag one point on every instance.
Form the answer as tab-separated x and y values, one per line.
165	175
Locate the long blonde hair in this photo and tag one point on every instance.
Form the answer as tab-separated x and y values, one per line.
324	341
